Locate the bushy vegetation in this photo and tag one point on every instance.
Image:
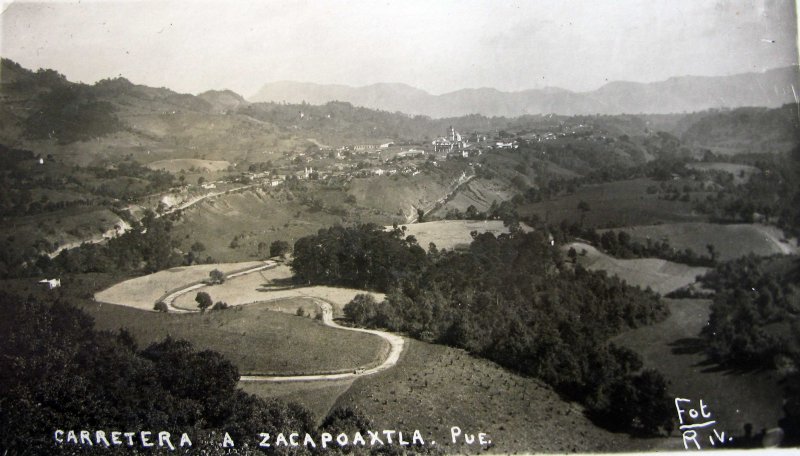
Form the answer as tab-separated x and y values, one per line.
71	113
147	247
772	195
755	323
620	244
511	299
56	370
363	257
755	317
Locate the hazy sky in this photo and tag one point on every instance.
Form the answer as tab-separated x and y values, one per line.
438	46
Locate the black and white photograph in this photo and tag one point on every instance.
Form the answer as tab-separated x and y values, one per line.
258	227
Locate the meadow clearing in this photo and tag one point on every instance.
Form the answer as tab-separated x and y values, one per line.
674	348
143	292
614	204
451	234
729	241
741	173
177	165
258	339
661	276
270	285
434	387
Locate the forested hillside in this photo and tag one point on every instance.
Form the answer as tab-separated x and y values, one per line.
511	299
57	372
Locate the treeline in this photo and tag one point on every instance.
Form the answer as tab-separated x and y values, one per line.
147	247
755	324
57	372
620	245
772	195
363	257
511	299
755	316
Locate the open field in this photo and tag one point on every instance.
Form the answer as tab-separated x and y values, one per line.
256	338
450	234
741	173
177	165
268	285
252	217
434	387
143	292
661	276
614	204
673	347
729	241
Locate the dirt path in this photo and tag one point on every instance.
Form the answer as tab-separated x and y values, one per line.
396	342
170	298
123	226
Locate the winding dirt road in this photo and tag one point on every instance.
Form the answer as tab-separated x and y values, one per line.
396	342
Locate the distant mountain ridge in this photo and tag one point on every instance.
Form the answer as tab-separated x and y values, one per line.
772	88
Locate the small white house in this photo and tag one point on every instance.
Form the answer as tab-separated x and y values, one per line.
51	283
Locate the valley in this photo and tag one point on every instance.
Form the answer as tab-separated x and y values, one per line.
552	280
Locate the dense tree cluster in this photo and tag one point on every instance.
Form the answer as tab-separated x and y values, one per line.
755	316
70	113
361	257
57	372
147	247
511	299
771	195
755	323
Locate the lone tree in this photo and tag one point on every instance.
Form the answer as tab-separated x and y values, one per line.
203	300
278	248
161	306
217	276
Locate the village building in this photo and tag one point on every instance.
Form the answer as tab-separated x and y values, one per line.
451	143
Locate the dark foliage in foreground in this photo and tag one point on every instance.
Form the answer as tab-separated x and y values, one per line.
755	316
57	372
755	324
510	299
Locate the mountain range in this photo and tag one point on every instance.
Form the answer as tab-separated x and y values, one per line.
674	95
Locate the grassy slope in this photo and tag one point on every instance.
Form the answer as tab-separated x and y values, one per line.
613	204
660	275
317	396
480	193
730	241
434	387
255	338
142	292
672	346
449	234
256	215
